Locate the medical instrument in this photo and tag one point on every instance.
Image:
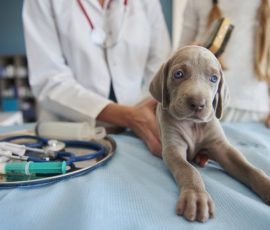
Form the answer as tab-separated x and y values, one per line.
82	131
78	168
29	168
6	155
52	150
17	152
219	35
18	149
54	146
97	34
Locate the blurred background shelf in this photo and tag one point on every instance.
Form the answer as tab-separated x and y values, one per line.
15	93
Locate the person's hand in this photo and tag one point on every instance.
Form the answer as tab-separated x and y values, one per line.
141	119
143	122
268	121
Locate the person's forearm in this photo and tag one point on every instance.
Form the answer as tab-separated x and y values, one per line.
268	121
115	114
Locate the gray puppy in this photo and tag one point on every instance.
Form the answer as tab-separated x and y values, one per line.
192	93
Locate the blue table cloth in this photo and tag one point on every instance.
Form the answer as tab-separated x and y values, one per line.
135	190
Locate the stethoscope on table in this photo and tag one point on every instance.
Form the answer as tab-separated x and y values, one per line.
52	157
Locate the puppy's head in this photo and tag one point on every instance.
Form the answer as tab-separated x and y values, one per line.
190	85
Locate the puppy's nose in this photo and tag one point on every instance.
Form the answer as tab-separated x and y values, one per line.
196	104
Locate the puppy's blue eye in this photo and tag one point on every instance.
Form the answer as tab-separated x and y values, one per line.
178	74
213	78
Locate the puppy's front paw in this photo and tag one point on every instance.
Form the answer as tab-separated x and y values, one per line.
195	205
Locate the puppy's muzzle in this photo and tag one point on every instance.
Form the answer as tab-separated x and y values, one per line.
196	104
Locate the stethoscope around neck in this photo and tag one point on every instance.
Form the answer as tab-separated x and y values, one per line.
98	35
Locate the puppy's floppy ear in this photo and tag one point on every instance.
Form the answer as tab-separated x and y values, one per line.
158	86
221	97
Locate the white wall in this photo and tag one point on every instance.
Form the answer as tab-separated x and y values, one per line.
177	19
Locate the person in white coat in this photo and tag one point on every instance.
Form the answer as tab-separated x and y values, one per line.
94	59
247	55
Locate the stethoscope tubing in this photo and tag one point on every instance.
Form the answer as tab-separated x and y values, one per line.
102	40
41	142
91	24
40	182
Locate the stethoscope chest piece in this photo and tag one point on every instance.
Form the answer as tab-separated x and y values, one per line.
98	36
55	146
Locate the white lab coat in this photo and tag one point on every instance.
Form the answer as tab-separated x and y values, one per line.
68	72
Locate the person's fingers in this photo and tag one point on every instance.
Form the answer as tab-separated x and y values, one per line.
145	126
153	125
268	121
154	134
152	102
152	119
155	130
153	143
150	138
147	102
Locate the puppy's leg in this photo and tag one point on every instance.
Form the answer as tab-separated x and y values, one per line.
237	165
194	202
